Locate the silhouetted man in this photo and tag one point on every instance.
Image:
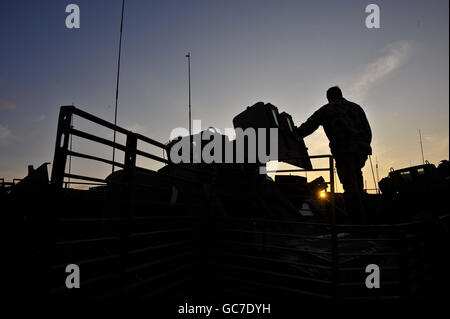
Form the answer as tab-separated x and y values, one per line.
348	130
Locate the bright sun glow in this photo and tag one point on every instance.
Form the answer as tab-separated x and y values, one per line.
322	194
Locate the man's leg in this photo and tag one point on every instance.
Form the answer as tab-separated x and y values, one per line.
345	176
360	161
348	167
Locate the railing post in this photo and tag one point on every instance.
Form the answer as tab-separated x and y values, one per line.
404	265
334	233
62	145
332	190
130	153
127	211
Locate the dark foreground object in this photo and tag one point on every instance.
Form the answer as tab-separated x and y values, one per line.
145	248
214	231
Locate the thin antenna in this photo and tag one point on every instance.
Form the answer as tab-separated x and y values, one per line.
378	175
421	147
373	175
188	56
117	84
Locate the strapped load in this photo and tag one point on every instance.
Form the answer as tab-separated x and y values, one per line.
291	148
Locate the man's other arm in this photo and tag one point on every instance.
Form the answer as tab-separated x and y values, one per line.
366	127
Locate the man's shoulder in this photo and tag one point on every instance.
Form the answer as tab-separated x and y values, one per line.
354	106
325	107
351	103
342	106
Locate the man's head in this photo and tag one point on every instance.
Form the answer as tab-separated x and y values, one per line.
334	93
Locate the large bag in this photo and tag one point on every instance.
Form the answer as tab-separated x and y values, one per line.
291	149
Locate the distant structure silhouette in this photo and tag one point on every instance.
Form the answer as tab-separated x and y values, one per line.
349	133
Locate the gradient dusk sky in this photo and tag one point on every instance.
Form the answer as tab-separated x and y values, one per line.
284	52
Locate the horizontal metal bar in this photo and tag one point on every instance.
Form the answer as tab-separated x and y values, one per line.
165	217
151	156
87	241
112	126
362	284
166	204
394	297
63	289
88	261
72	109
93	219
94	158
320	156
364	239
311	237
150	141
159	261
359	269
275	247
274	234
150	248
377	227
339	227
368	254
86	178
81	183
109	219
97	139
278	261
320	281
264	220
158	232
302	292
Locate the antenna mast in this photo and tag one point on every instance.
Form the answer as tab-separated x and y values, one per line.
117	84
421	147
377	172
188	56
373	175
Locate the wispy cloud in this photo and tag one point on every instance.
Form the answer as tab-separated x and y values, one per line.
7	105
5	134
39	118
394	55
436	147
136	128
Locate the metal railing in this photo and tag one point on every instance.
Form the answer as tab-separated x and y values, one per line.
130	236
4	183
65	130
287	259
150	247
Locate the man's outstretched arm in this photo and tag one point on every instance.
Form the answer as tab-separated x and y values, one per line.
311	124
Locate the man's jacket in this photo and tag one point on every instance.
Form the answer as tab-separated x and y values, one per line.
345	125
